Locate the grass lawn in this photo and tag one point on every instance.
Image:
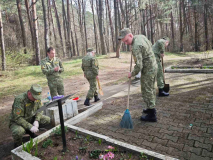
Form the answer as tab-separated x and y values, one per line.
16	82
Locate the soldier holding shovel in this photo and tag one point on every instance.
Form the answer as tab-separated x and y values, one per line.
90	69
159	49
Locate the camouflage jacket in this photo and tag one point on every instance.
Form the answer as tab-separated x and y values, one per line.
90	66
23	110
47	67
159	48
143	56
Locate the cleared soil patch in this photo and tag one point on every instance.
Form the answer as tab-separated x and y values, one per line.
85	147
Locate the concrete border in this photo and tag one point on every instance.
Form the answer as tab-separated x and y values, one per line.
170	70
85	114
19	154
130	147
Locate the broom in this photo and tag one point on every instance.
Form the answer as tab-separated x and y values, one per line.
126	121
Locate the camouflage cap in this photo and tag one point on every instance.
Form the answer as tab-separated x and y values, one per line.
36	91
90	50
123	33
166	38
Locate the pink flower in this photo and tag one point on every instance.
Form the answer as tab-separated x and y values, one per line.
111	155
106	157
110	147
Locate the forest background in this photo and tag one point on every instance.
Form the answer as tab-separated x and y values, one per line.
29	27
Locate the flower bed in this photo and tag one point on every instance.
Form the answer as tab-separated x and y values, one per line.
189	69
81	147
82	144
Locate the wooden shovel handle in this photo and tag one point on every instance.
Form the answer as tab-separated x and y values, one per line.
99	86
129	83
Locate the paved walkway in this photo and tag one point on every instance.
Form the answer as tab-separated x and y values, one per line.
190	102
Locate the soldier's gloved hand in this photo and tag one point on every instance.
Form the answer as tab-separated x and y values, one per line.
36	124
34	129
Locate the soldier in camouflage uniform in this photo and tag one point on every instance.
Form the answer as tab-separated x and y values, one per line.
159	49
23	118
90	69
146	64
52	67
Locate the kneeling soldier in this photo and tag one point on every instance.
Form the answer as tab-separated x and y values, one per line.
23	118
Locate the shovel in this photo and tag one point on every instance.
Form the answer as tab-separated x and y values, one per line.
166	86
100	89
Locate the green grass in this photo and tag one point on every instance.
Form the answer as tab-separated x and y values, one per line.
20	80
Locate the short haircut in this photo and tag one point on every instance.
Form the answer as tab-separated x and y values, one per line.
50	49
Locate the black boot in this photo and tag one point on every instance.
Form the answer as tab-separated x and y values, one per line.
145	111
162	93
150	117
96	98
86	102
32	135
17	144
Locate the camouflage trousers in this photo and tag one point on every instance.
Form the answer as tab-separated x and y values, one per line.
93	88
160	78
148	88
56	87
18	131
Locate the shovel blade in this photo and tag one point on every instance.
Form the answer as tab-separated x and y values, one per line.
101	92
166	88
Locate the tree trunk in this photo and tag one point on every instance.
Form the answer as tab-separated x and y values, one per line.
103	48
118	49
147	22
206	25
94	25
51	17
196	31
81	28
84	18
111	26
22	26
30	24
2	44
106	31
172	29
181	28
35	18
211	20
127	19
48	18
144	22
118	19
150	12
69	31
76	39
59	27
46	37
65	25
116	27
